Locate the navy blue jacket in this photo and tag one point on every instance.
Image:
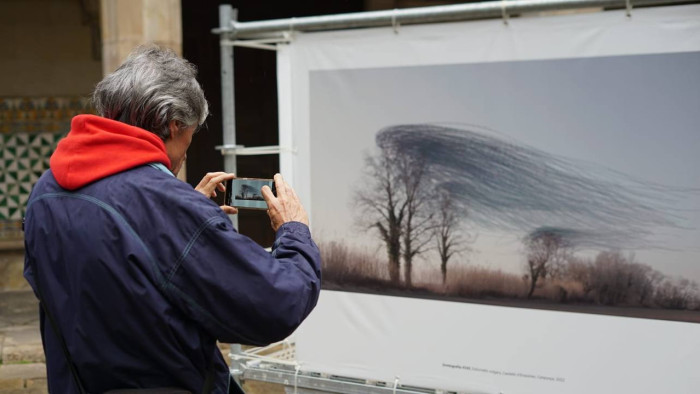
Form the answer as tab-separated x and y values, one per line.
143	274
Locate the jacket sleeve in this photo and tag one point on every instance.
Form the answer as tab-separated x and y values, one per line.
240	292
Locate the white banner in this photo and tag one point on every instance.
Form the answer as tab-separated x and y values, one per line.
565	149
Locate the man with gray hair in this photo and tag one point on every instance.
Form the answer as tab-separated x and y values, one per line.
138	273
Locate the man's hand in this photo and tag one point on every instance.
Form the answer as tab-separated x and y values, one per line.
212	182
284	208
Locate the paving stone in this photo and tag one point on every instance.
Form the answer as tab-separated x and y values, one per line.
18	308
22	344
23	379
22	371
11	383
11	270
24	391
39	383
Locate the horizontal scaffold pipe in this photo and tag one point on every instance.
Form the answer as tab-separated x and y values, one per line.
446	13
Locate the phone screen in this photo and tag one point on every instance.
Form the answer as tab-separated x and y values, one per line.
246	193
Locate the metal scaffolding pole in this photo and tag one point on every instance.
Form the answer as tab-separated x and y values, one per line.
228	111
447	13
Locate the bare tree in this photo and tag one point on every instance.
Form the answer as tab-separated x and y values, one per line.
396	203
679	293
417	227
580	270
446	228
544	248
652	281
613	278
641	282
385	205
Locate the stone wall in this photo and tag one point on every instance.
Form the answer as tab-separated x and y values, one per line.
46	48
49	68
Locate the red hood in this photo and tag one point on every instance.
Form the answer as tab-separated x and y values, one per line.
97	147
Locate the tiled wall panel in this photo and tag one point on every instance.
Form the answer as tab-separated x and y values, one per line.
30	128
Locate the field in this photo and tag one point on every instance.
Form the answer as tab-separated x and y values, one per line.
612	285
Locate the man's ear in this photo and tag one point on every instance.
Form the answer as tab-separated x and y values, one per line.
173	128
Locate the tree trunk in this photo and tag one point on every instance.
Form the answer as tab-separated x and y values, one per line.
407	274
394	273
533	282
393	249
443	268
394	255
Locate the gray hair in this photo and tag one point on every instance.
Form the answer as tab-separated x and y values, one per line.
153	87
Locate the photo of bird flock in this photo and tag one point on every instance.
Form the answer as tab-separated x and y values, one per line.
583	235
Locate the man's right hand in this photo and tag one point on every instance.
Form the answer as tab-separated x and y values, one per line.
284	208
212	182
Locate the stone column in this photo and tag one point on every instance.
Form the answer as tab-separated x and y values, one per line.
129	23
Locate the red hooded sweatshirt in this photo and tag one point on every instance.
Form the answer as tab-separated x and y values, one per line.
97	147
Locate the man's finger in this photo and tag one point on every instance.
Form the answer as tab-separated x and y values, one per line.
217	182
213	181
267	195
280	185
207	178
274	205
229	210
221	177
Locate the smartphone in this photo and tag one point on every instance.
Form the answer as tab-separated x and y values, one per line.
246	193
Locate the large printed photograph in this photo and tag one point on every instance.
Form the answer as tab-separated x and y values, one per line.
566	184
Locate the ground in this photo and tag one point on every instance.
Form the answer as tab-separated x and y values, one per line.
22	368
